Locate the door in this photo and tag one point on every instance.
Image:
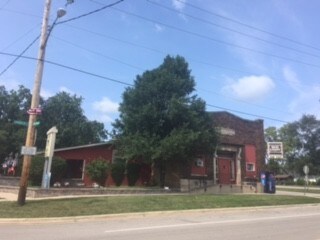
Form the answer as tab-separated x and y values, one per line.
224	166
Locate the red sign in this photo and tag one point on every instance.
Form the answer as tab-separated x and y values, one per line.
34	111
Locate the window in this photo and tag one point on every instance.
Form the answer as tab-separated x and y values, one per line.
250	167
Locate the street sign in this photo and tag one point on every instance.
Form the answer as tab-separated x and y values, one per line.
34	111
36	123
28	151
275	150
25	124
21	123
305	169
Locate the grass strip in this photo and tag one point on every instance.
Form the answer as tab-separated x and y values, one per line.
130	204
299	190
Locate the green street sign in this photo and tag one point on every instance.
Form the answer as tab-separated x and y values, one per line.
25	124
36	123
21	123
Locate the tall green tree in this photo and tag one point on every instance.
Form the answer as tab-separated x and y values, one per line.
14	105
65	112
161	121
302	144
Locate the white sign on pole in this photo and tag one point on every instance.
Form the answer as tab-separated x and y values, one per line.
51	139
275	150
28	151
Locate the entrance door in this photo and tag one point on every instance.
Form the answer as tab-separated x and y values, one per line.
224	166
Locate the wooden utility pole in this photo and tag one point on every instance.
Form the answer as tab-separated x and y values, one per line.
34	110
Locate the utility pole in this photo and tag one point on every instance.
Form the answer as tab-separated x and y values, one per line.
34	110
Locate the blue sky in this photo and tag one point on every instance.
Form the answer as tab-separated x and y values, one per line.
257	59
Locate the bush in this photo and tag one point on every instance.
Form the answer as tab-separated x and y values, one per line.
58	168
117	172
98	171
300	182
133	173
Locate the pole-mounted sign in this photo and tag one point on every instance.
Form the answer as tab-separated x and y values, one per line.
51	139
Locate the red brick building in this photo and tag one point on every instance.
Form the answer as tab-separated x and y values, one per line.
238	158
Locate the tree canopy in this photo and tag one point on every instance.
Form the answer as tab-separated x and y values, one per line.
301	141
160	120
65	112
13	107
62	110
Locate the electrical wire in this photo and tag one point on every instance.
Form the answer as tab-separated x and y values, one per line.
19	56
233	30
51	28
216	40
165	53
130	85
68	67
92	12
5	4
248	26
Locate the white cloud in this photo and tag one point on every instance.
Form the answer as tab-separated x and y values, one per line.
46	94
105	109
159	28
306	99
249	87
67	90
291	78
179	4
10	84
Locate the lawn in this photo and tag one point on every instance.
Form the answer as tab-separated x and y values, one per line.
302	190
129	204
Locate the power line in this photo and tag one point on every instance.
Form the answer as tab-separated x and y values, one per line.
98	53
70	68
5	4
245	113
20	55
249	26
131	85
165	53
51	28
92	12
216	40
20	37
233	30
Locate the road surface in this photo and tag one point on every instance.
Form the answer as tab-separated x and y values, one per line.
297	222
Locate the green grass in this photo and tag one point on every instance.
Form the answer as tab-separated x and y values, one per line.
299	190
130	204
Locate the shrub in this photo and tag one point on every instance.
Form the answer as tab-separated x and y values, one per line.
58	168
117	172
133	173
98	171
300	182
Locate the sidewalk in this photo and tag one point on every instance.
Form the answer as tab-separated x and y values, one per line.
8	196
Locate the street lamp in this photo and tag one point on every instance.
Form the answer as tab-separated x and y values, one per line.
29	150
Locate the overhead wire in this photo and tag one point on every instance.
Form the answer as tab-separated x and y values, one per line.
139	68
232	30
216	40
131	85
69	67
55	22
248	25
5	4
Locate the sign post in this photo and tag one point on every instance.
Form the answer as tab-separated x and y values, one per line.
51	139
306	179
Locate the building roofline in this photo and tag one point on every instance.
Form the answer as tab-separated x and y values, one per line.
83	146
212	113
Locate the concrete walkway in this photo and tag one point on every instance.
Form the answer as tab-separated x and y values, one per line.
8	196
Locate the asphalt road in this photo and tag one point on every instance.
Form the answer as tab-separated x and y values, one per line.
298	222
